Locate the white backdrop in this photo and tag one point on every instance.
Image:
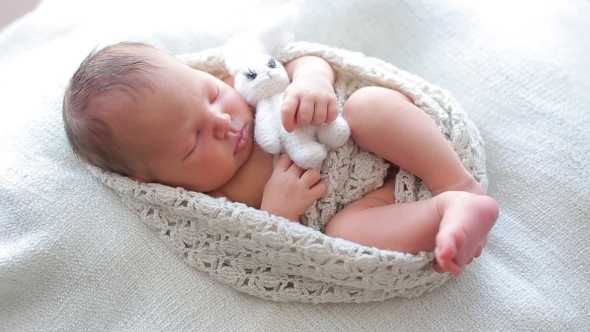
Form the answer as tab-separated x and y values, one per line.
73	258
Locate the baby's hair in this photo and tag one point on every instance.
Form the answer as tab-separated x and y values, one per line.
116	72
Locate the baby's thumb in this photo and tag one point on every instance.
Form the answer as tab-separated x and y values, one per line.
283	163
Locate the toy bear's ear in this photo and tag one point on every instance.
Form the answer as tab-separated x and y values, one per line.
266	38
231	65
278	32
235	52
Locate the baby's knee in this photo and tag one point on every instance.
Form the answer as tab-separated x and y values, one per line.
357	101
370	100
356	104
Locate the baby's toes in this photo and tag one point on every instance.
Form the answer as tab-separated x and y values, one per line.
437	268
479	249
451	267
446	247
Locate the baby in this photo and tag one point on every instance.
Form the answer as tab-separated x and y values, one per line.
137	111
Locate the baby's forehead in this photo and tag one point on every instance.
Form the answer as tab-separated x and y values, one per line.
117	105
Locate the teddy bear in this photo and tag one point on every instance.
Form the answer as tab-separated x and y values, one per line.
261	79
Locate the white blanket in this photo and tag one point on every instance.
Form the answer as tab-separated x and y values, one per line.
72	257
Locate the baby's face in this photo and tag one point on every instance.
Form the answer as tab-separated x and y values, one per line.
190	128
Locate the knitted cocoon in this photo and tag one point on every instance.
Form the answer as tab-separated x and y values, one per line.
273	258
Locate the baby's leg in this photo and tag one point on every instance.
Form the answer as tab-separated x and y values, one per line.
388	124
453	224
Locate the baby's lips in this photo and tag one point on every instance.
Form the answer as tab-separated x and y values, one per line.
242	140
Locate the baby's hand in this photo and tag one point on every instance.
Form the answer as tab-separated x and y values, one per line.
309	99
291	190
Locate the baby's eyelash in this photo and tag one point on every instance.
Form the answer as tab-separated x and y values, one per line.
213	98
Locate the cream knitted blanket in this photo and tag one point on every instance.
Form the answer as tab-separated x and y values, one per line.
271	257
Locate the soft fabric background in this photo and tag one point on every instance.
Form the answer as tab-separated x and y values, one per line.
73	258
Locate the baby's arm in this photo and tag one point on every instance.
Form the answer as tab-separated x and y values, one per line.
310	98
291	190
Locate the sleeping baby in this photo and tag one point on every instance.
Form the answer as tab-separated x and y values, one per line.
137	111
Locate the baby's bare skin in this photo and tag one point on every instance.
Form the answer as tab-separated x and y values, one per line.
466	223
454	223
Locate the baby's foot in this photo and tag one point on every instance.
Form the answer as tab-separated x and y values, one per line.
468	184
466	221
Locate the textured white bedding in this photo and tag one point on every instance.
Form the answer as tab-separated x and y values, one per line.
72	257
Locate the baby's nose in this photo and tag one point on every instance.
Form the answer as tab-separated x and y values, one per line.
221	125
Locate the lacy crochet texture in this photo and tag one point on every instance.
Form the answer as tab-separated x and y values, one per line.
272	258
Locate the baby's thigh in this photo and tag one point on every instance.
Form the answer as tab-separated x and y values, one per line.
378	197
369	106
355	211
370	98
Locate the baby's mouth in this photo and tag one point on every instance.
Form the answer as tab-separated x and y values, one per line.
242	139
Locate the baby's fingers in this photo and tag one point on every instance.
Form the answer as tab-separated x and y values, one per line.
283	163
305	111
320	115
332	110
311	177
319	190
288	110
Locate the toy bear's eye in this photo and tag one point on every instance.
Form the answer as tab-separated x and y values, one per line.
272	63
250	74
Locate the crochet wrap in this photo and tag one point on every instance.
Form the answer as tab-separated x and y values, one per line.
273	258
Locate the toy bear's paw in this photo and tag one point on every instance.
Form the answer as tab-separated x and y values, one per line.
265	132
335	133
269	144
311	156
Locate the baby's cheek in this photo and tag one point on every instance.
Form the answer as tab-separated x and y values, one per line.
228	80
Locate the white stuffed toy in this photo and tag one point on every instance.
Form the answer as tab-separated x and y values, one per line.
261	80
